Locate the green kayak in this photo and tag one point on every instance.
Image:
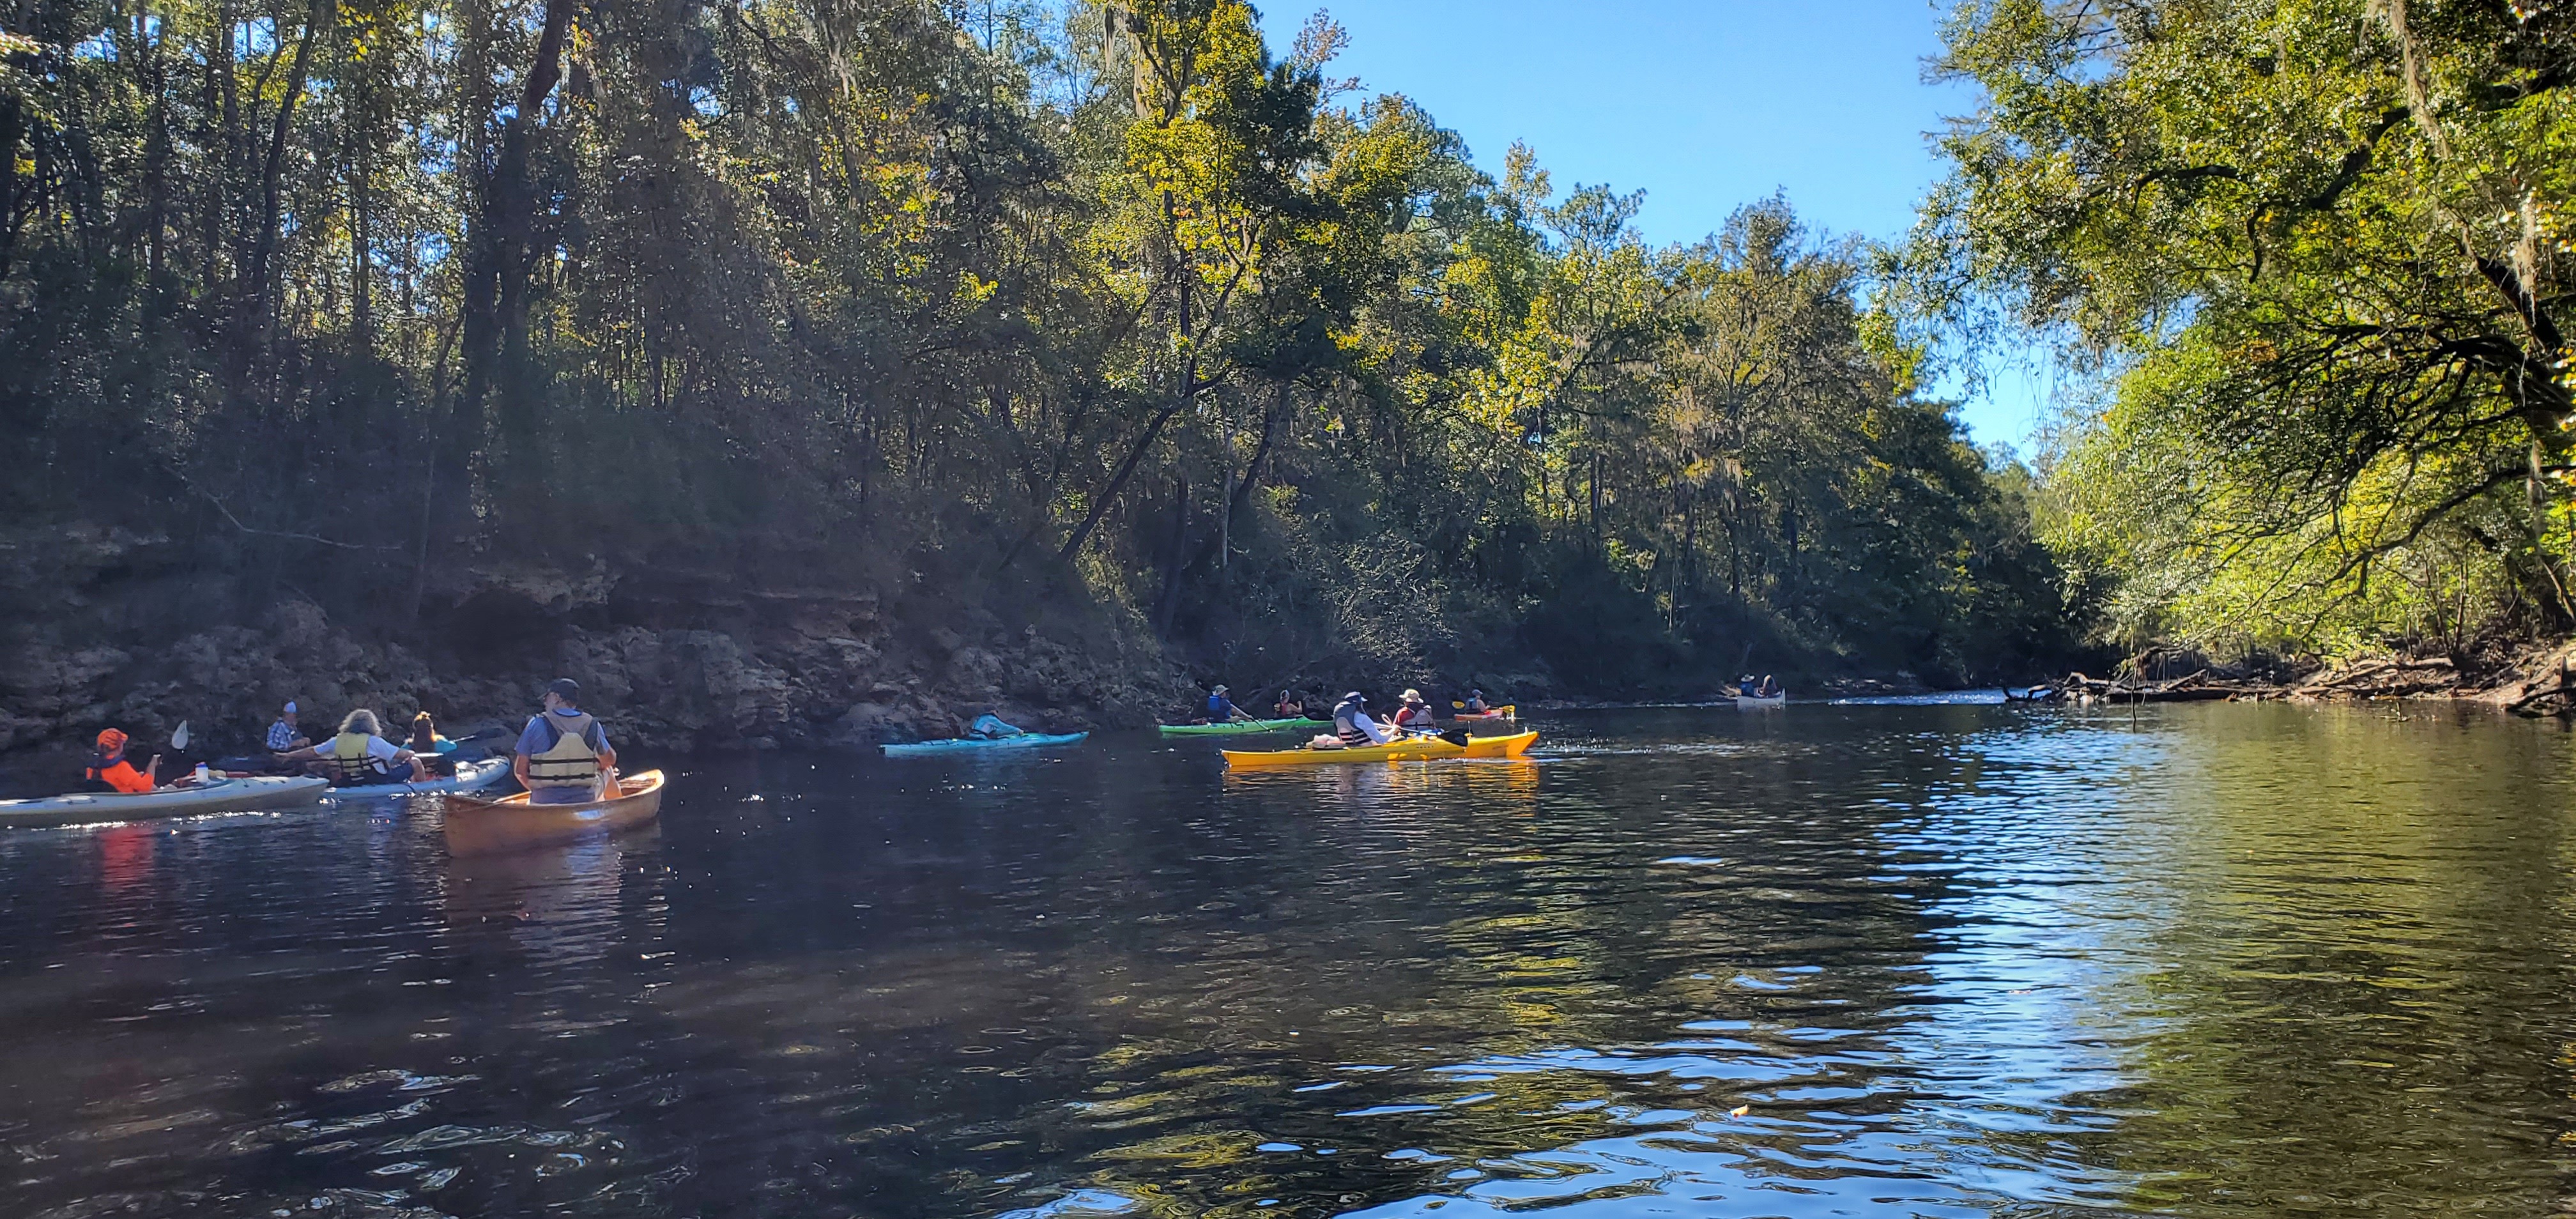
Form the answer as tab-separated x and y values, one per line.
1236	729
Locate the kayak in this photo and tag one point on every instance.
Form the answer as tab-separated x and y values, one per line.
1749	703
1420	749
1026	740
476	826
259	794
1506	712
469	777
1237	728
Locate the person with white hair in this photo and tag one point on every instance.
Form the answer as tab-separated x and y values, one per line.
359	756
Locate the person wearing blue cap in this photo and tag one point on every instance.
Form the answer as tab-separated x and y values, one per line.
563	753
283	736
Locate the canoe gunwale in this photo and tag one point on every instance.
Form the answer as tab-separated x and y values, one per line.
475	826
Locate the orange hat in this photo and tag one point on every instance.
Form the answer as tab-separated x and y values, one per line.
109	738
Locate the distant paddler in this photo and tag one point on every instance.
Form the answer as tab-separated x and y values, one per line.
1290	707
563	754
991	727
1221	708
359	756
1476	704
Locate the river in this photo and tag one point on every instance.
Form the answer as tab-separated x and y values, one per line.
1871	960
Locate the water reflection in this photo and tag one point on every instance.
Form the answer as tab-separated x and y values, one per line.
1870	960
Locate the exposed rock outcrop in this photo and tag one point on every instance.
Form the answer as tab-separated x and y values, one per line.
760	669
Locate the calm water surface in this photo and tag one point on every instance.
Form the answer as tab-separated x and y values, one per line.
1847	960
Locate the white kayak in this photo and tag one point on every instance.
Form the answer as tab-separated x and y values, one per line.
1749	703
469	777
253	794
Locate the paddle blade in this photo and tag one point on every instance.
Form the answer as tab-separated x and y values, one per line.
179	739
1454	736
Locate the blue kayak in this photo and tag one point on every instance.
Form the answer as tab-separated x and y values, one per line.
1026	740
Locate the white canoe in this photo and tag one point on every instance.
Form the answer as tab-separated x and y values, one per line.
1749	703
469	777
256	794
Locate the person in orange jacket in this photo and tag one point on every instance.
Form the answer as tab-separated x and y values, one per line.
108	770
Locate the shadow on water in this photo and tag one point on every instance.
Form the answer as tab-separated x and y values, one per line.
1864	960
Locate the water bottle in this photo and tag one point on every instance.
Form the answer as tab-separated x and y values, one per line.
203	775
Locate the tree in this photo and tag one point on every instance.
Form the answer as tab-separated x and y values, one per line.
2316	247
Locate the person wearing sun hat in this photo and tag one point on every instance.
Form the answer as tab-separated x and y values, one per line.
1352	724
1221	708
1415	715
108	770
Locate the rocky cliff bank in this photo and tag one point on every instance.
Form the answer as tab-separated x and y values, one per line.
106	631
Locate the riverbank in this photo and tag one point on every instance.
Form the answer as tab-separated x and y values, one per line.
2534	679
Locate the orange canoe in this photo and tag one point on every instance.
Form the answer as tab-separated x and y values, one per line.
475	826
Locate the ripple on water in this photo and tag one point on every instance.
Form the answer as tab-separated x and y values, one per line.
1865	960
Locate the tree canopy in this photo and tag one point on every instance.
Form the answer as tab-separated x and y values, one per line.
2316	250
1113	302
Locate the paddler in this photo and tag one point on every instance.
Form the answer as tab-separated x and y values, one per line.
1415	715
431	748
359	756
108	771
1352	724
1221	708
1476	703
284	736
1291	707
562	751
990	727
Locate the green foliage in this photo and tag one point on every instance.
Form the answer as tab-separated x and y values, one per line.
2318	248
1106	299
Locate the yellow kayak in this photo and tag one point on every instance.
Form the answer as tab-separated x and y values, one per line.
1423	749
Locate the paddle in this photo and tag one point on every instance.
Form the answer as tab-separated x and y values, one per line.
179	739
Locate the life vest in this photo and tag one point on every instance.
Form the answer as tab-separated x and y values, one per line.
1346	725
101	764
570	761
346	757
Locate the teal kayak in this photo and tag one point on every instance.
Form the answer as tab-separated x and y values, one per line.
470	777
1237	728
1026	740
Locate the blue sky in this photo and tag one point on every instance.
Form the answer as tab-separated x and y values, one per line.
1704	104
